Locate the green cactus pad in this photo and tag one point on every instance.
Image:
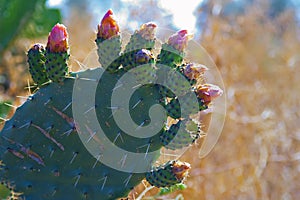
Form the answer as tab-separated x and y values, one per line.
108	51
56	65
36	60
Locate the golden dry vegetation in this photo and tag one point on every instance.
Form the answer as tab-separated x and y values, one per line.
258	153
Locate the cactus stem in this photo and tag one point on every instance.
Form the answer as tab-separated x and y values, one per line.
77	179
97	160
104	181
137	103
25	125
48	101
48	136
123	160
118	135
67	106
74	156
91	108
126	181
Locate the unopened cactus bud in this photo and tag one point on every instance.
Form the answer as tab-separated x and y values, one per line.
57	53
143	56
147	31
58	39
181	169
208	92
180	39
108	26
193	72
171	173
36	60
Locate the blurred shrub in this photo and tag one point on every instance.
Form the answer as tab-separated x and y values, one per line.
27	18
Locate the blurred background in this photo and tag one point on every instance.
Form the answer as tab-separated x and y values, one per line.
255	45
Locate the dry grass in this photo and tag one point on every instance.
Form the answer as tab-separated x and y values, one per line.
258	153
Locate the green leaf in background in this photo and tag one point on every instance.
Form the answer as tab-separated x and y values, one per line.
4	109
31	18
42	21
4	192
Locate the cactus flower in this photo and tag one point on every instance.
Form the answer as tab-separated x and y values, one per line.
147	30
193	72
208	92
108	26
180	39
181	169
58	39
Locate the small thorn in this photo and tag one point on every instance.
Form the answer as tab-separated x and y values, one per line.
147	150
67	106
8	104
74	156
127	180
77	179
98	158
28	87
118	135
123	160
140	126
48	101
137	103
137	86
54	191
25	125
68	132
112	113
3	119
113	107
118	86
91	108
88	79
51	153
92	135
23	97
104	181
81	65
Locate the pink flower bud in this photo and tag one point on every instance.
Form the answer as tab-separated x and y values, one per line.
108	26
58	39
193	72
208	92
147	30
180	39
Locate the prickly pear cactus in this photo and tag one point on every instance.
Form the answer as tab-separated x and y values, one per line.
95	134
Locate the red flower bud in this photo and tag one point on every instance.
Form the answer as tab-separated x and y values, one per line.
181	169
180	39
208	92
193	72
58	39
108	26
147	30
